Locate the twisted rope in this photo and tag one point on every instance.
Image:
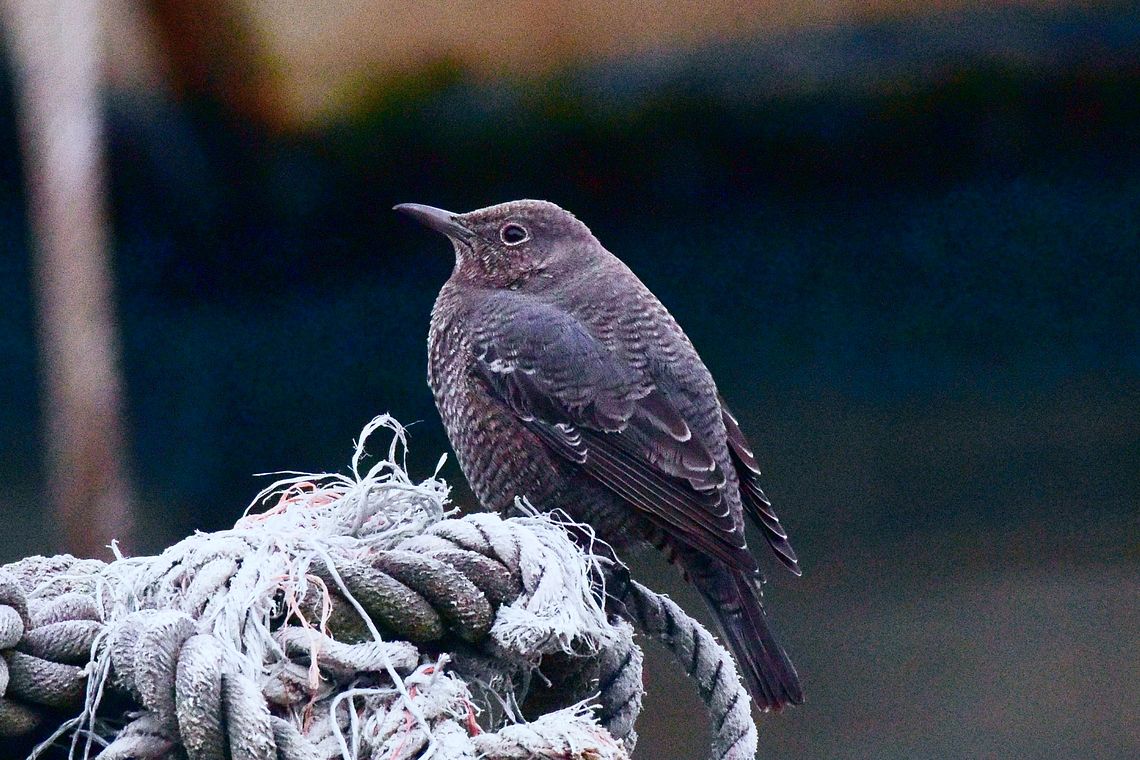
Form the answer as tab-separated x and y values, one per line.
351	620
706	662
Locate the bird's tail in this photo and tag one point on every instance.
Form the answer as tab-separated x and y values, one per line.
735	599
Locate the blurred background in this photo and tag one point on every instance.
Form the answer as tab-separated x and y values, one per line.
904	236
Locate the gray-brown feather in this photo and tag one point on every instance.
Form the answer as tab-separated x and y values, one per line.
521	375
562	379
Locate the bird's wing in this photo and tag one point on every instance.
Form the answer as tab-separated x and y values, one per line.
756	503
593	409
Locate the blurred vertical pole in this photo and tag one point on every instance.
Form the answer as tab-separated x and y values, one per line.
56	48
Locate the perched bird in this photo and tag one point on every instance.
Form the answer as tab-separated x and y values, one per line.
561	378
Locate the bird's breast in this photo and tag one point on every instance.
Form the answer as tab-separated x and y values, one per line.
499	456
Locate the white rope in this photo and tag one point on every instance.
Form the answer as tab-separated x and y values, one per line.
235	586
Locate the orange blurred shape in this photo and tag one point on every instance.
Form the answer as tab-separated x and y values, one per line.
296	63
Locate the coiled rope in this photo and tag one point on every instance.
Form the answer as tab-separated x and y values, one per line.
353	619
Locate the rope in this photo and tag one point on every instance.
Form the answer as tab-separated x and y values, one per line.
707	663
352	619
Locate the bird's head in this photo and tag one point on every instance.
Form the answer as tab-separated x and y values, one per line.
523	245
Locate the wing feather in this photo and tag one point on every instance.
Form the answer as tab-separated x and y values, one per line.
756	503
594	410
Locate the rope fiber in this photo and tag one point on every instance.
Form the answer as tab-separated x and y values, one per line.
352	618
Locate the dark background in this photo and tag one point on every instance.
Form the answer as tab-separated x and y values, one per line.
907	249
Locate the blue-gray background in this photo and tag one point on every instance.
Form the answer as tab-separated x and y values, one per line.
916	281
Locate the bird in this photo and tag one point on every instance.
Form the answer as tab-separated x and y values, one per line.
561	378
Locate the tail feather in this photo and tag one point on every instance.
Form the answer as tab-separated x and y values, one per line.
768	673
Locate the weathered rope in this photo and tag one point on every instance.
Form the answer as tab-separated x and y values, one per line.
351	620
706	662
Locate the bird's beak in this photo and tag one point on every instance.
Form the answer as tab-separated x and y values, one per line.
443	222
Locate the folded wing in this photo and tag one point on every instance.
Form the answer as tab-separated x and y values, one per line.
611	420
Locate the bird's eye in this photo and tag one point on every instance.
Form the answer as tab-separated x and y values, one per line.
513	234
